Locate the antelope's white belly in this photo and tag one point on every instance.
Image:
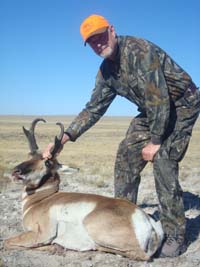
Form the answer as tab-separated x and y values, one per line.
71	232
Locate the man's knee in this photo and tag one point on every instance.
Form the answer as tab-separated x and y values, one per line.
165	166
166	173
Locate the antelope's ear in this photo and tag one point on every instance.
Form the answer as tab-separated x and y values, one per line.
59	167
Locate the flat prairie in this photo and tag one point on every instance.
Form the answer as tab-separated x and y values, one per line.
93	155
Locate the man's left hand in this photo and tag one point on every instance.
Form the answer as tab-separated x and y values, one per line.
149	151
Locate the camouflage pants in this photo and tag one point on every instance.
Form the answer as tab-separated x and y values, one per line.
129	162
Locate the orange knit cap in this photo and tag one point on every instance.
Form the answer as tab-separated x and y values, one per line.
92	25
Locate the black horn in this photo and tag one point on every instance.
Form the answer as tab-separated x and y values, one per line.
57	143
30	134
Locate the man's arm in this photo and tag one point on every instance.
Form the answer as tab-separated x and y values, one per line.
101	98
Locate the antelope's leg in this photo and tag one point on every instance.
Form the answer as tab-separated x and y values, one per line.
132	254
25	240
53	249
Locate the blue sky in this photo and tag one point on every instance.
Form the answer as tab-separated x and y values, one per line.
45	68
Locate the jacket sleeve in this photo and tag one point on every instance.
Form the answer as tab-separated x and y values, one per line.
101	98
157	102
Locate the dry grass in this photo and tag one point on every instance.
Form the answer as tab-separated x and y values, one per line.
94	152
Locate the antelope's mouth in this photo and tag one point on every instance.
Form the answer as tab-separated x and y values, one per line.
16	175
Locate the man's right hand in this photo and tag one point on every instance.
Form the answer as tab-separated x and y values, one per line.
47	152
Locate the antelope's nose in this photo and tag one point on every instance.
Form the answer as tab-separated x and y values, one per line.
16	172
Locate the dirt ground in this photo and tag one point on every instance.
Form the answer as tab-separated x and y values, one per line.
10	221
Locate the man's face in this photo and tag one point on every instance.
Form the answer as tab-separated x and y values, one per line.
104	44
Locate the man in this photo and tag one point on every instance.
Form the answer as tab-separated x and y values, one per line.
169	104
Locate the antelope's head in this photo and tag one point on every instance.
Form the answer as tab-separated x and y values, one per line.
37	170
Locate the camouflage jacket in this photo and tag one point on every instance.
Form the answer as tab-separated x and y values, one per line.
145	75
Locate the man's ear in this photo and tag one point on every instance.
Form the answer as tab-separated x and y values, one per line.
112	30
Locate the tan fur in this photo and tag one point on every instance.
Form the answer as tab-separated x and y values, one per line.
109	224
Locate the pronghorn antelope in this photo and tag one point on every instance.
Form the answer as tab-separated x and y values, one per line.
77	221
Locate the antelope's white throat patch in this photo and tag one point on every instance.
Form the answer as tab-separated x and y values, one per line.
71	232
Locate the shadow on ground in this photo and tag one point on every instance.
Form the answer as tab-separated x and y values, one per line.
192	201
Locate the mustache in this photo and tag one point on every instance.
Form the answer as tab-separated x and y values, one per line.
106	52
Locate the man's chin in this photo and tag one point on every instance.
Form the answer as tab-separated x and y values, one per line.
106	53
